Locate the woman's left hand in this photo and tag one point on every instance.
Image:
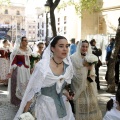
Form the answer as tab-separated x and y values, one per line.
31	70
67	94
9	75
90	67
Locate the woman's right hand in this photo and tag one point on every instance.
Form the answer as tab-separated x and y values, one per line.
31	70
27	106
9	75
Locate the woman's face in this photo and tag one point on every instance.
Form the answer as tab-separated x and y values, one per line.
24	42
84	47
41	47
6	43
94	43
61	49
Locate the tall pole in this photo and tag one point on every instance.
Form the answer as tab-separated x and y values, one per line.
16	29
46	38
11	29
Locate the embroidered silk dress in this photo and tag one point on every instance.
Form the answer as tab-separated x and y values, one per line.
85	99
20	75
4	64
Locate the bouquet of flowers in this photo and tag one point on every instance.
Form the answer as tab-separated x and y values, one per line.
90	60
34	56
26	116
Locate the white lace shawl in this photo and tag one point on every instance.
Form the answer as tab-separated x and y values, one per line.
80	72
42	76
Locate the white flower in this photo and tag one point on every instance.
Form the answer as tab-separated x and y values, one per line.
91	58
35	54
26	116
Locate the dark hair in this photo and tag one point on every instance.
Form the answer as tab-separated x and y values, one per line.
23	38
112	39
110	103
4	41
92	41
85	41
40	43
73	40
56	39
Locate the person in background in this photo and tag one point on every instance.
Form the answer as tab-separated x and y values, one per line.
108	54
36	54
98	53
113	108
72	46
4	62
85	98
19	70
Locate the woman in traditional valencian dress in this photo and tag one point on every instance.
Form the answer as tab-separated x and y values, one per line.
4	62
49	78
19	70
85	99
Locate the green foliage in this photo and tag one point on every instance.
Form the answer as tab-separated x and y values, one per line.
81	5
4	2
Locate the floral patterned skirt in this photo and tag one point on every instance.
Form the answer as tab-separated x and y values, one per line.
14	100
19	80
4	69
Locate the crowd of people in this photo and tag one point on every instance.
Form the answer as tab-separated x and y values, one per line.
56	79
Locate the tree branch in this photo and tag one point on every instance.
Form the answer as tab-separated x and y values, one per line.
50	3
56	3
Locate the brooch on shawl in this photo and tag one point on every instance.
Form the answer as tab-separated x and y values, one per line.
61	79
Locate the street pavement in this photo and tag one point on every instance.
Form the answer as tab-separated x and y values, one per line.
8	111
103	96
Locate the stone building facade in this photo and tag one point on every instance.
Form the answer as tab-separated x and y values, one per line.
103	22
13	18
